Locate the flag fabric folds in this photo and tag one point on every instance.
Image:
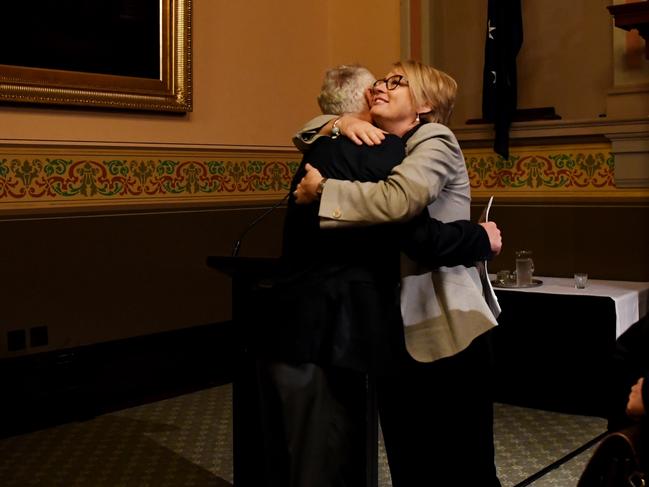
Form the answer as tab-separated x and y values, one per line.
499	93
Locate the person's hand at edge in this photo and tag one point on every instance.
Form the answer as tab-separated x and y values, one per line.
635	408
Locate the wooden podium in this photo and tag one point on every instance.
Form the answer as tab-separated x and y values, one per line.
250	278
254	289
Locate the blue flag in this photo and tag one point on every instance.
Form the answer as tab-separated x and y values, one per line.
499	95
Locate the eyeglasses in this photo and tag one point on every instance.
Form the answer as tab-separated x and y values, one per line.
392	82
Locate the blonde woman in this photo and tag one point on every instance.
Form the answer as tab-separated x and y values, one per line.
436	410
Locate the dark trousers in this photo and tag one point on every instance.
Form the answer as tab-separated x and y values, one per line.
314	422
437	420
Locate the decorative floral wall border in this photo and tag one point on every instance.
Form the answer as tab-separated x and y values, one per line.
80	177
547	170
32	180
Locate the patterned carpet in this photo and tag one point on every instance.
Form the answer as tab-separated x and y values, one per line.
186	441
528	440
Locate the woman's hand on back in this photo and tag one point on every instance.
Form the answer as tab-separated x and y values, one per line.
360	131
307	190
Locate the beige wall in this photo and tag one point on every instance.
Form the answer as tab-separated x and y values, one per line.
367	32
565	60
257	70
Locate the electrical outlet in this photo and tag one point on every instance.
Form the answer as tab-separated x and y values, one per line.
16	340
38	336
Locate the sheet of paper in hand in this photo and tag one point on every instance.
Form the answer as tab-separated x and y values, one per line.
489	294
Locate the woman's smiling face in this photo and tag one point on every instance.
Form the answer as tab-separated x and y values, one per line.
393	109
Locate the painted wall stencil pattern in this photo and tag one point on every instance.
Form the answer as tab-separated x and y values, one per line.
543	169
56	178
33	178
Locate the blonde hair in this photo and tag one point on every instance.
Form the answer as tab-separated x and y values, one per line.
430	86
343	89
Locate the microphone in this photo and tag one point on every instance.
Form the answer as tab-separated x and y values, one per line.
237	244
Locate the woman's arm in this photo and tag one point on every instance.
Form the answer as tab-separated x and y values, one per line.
434	157
358	130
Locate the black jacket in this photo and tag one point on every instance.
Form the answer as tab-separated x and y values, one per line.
337	301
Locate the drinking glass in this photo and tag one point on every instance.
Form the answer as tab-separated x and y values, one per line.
524	267
581	279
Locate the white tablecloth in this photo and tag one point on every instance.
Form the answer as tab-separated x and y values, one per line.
631	298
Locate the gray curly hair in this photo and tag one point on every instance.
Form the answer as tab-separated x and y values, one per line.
343	89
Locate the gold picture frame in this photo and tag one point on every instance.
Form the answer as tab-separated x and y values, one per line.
168	88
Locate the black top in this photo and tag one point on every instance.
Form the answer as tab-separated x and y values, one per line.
630	362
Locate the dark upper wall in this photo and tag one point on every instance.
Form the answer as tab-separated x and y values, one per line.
99	278
606	241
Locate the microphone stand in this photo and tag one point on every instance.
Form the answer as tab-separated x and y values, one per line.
237	244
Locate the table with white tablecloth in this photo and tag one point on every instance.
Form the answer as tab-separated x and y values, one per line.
553	342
